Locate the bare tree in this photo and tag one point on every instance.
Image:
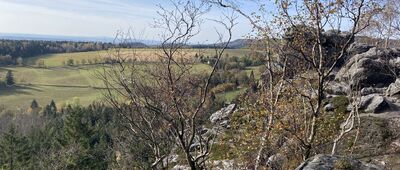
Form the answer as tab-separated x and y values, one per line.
353	120
161	101
298	30
385	25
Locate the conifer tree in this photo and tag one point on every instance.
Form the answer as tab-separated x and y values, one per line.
53	106
14	150
34	104
84	128
34	108
50	110
9	78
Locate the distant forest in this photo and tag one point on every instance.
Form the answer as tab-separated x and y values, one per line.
13	51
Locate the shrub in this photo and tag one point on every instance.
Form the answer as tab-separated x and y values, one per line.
9	78
340	103
221	151
242	78
70	62
224	88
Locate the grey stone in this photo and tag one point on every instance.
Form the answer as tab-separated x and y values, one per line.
223	164
181	167
275	161
374	103
371	90
358	48
394	88
370	69
337	88
328	162
222	116
329	107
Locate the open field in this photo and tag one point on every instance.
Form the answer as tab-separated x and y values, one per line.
62	84
66	83
55	60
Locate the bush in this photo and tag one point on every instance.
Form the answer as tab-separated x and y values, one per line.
340	103
242	78
40	64
221	151
234	65
246	61
224	88
70	62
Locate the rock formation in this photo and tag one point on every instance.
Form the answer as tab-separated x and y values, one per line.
328	162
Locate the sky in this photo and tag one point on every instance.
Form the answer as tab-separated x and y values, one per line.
102	18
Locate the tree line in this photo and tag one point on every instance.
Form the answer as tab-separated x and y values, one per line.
12	52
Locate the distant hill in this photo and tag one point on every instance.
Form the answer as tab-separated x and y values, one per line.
240	43
37	37
236	44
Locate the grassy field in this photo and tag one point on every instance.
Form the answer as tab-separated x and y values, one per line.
65	83
56	60
62	84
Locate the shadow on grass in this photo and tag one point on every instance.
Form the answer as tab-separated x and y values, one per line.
18	89
3	69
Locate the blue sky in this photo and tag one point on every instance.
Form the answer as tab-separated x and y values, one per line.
94	18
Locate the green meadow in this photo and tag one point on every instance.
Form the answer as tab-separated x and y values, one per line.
70	83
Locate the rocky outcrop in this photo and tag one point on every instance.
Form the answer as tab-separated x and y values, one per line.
355	48
181	167
374	103
374	68
328	162
221	117
337	88
223	164
394	89
371	90
358	48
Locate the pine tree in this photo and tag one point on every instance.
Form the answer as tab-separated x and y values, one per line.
53	106
9	78
50	110
7	148
14	150
34	105
85	128
75	128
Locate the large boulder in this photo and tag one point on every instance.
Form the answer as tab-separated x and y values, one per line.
328	162
223	164
358	48
355	48
371	90
221	117
374	103
394	89
336	88
374	68
181	167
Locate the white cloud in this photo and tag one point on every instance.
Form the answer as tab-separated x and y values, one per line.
90	18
